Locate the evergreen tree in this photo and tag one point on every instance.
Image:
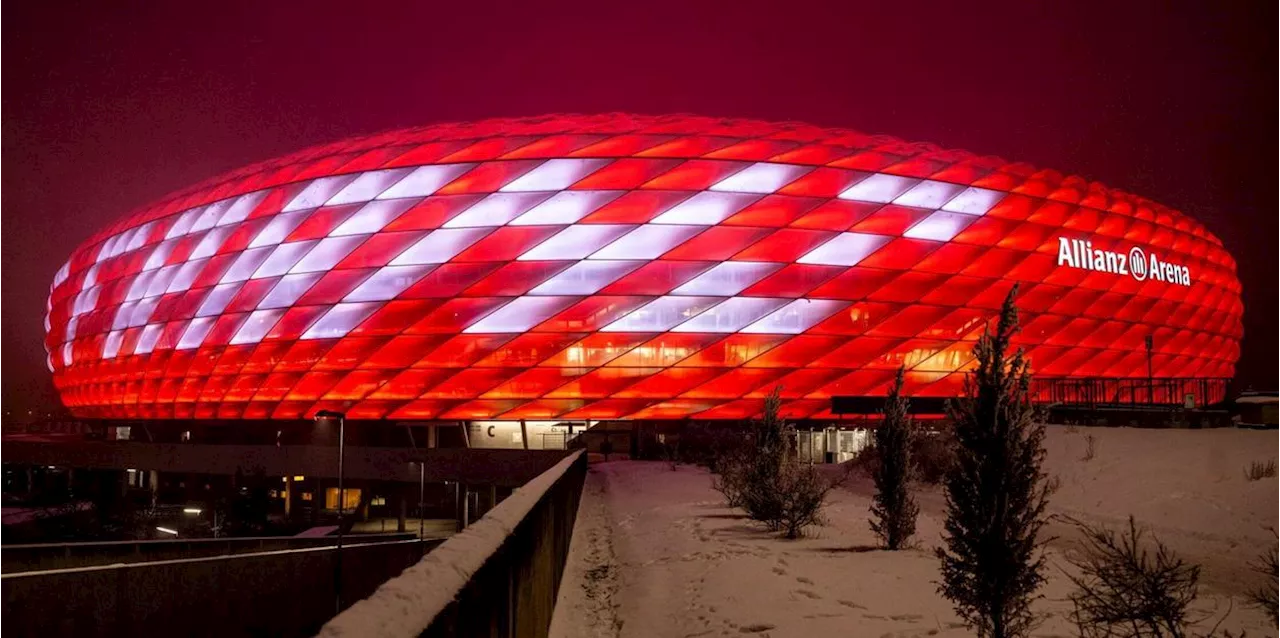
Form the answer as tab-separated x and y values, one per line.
762	496
894	509
992	562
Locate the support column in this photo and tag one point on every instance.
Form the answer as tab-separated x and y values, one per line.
288	496
524	435
153	479
433	437
400	522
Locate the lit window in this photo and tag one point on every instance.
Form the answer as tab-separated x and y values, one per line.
575	242
210	243
317	193
939	226
878	188
585	277
183	225
727	278
706	208
388	282
278	228
520	315
440	246
244	265
796	317
762	177
328	253
845	249
186	276
495	210
662	314
647	242
111	346
565	208
217	299
974	201
928	194
239	211
256	326
288	290
367	186
340	320
282	258
195	333
372	217
554	175
147	340
731	315
425	180
350	495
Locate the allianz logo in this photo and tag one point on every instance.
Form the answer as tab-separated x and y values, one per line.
1080	253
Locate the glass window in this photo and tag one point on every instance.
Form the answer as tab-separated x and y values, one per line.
326	254
87	300
585	277
388	282
159	254
138	237
217	299
796	317
440	246
706	208
367	186
928	194
340	320
878	188
282	258
208	217
210	243
575	242
141	313
661	314
123	314
147	340
160	281
727	278
195	333
974	201
425	180
372	217
244	265
762	177
565	208
731	315
940	226
240	209
111	346
495	210
647	242
845	249
288	290
554	175
278	228
520	315
187	273
317	193
256	326
183	225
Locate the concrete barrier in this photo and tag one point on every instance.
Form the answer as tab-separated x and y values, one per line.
498	577
281	593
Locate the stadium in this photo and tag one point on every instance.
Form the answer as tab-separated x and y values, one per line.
622	267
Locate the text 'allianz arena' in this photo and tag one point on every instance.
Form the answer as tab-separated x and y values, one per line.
615	266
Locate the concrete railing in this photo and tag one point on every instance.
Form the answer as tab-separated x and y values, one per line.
498	577
45	556
282	593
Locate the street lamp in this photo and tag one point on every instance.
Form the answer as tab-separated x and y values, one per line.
342	501
422	490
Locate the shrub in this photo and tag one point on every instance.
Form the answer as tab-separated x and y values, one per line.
992	559
1259	470
1090	448
1265	596
894	509
934	453
1125	590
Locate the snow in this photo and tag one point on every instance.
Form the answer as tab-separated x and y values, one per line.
655	553
405	605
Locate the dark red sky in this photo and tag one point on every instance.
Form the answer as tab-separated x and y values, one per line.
105	109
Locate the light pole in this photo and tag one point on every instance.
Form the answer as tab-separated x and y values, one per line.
422	490
342	501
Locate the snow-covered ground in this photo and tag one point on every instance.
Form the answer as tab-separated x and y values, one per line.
655	553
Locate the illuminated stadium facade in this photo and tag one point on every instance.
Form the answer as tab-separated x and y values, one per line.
621	267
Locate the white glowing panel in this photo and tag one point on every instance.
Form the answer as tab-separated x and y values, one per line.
160	282
372	217
425	180
731	315
123	314
662	314
880	188
288	290
87	300
256	326
928	194
139	236
111	346
727	278
210	243
159	254
278	229
939	226
183	225
147	340
554	175
208	217
90	277
796	317
67	355
762	177
62	274
575	242
974	201
845	249
317	193
647	242
367	186
239	211
186	276
585	277
440	246
340	320
282	258
195	333
495	210
706	208
565	207
244	265
520	315
328	253
141	312
217	299
386	283
71	329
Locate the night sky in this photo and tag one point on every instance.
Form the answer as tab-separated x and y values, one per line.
106	109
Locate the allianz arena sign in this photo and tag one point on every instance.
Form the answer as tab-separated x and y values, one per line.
1079	253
